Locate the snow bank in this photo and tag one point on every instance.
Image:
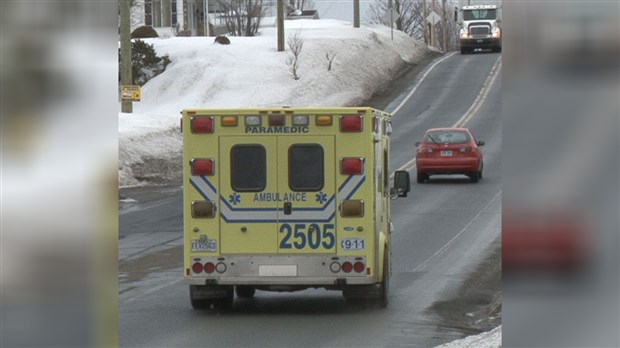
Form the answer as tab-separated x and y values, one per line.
251	73
490	339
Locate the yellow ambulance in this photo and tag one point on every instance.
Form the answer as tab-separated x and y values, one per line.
285	199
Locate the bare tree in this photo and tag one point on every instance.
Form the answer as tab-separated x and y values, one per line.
295	42
410	20
330	58
242	17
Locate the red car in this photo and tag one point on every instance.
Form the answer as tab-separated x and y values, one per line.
449	151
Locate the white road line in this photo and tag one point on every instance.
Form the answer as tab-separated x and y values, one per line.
420	82
473	109
150	291
451	241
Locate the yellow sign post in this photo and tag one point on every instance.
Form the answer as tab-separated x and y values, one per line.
131	93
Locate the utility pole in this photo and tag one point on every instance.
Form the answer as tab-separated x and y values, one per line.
391	10
425	22
126	79
356	13
280	25
433	27
444	36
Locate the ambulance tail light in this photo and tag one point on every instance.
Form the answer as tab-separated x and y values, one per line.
276	120
301	120
352	208
197	267
351	123
229	121
359	267
347	267
202	166
209	267
352	166
324	120
253	121
203	209
201	124
335	267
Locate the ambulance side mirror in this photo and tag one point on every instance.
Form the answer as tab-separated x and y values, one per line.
402	183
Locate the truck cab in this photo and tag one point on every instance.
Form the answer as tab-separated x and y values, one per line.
479	28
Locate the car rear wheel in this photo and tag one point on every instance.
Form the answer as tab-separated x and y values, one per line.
475	176
421	177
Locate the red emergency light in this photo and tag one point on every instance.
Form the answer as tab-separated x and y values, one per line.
202	166
352	166
201	124
351	123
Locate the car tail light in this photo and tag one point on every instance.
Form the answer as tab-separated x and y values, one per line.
352	166
347	267
351	123
202	166
276	120
324	120
209	267
229	121
197	267
201	124
359	267
203	209
352	208
465	149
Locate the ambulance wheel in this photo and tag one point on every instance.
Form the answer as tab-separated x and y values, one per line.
224	303
385	285
198	303
245	291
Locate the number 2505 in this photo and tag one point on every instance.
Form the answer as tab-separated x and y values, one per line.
298	235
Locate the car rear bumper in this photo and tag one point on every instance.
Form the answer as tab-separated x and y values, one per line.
447	165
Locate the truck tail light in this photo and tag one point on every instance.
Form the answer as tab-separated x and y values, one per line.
351	123
352	166
201	124
347	267
209	267
197	267
359	267
352	208
203	209
229	121
324	120
202	166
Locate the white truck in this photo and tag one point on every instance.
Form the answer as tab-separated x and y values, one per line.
480	27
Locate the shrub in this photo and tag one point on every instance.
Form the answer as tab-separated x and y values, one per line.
222	40
145	64
144	32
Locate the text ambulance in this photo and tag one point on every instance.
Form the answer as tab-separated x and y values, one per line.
286	199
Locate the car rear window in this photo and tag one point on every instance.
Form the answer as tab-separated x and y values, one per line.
450	137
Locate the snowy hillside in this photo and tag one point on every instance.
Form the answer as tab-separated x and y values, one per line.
251	73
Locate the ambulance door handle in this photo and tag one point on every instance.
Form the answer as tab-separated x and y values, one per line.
288	208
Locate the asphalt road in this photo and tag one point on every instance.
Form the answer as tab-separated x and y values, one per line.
445	257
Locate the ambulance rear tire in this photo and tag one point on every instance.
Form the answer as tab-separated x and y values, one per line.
198	303
385	285
226	302
245	291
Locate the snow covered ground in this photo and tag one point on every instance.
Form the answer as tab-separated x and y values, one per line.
251	73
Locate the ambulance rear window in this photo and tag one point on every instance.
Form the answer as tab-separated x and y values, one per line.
248	168
305	167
